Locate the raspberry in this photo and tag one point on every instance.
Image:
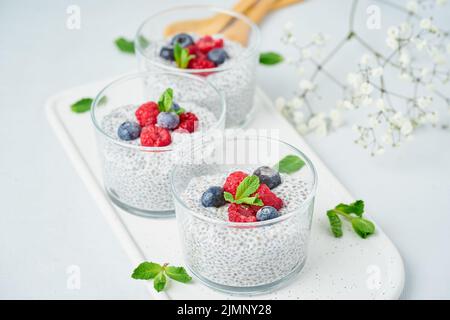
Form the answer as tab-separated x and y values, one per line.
207	43
268	197
146	114
188	122
153	136
241	213
201	63
233	181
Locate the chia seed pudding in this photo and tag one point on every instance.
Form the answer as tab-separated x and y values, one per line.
247	252
143	127
234	75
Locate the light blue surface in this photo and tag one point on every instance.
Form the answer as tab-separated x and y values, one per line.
49	222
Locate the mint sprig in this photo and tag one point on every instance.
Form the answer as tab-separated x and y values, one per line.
151	270
289	164
166	100
84	104
246	188
182	56
352	212
270	58
124	45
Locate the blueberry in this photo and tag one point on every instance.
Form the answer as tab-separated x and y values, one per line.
213	197
183	39
129	130
168	120
268	176
175	106
167	53
218	56
267	213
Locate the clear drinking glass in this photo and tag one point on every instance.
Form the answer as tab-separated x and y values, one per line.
136	177
236	257
235	78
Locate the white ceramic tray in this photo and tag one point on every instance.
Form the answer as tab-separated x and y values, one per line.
345	268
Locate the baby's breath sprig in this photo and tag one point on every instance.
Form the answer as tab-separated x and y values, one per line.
417	50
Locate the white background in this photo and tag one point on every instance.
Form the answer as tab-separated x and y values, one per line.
49	222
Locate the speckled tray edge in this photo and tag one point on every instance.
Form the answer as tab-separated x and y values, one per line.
115	219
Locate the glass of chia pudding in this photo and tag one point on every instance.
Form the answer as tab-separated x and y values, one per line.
244	210
142	122
225	54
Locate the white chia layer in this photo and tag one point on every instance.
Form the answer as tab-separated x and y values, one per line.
140	179
237	82
245	256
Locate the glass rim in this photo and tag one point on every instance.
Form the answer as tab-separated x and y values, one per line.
101	93
281	218
248	51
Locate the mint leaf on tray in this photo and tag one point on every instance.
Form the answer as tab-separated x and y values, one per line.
124	45
151	270
270	58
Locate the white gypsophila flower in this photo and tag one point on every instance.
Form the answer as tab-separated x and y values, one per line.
367	101
348	105
420	43
366	88
406	128
437	56
300	71
405	29
356	128
306	85
387	139
322	129
365	59
280	103
316	120
425	24
393	32
373	122
432	117
302	128
376	72
297	102
336	118
380	105
397	119
379	151
412	6
441	2
354	79
298	116
424	102
318	39
405	76
392	43
404	58
306	53
288	26
424	72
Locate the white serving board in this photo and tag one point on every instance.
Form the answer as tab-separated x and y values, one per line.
345	268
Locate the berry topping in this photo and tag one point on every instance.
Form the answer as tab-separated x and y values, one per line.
207	43
241	213
129	130
175	107
153	136
233	181
146	114
213	197
201	63
188	122
167	53
217	56
267	213
168	120
183	39
268	176
268	197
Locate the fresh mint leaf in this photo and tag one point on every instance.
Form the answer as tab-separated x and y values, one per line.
363	227
270	58
165	101
178	274
124	45
228	197
250	200
159	282
290	164
247	187
335	223
182	56
82	105
356	207
146	271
